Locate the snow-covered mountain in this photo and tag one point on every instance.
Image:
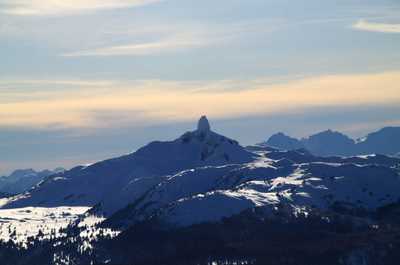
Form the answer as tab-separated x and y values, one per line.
116	182
328	143
22	180
296	179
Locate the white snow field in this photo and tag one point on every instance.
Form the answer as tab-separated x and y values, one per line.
20	223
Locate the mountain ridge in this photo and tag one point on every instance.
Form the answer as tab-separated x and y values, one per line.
327	143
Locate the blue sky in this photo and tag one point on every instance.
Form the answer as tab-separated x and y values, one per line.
90	79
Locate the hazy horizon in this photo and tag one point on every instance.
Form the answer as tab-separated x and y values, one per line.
172	132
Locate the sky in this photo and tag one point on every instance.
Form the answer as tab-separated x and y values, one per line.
86	80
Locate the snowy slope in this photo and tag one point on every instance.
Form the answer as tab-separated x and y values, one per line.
192	182
20	224
296	179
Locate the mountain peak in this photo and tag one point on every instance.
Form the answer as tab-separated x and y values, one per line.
282	141
203	125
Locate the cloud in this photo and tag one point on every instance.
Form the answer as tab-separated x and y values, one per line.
173	43
120	36
58	82
150	40
151	102
61	7
377	27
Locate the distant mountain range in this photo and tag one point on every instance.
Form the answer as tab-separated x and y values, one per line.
331	143
23	179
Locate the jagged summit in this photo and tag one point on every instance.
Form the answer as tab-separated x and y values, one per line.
203	125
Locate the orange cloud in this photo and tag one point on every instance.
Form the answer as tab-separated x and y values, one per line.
154	101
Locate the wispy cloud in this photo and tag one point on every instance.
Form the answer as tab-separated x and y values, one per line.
161	39
41	82
377	27
58	7
144	102
173	43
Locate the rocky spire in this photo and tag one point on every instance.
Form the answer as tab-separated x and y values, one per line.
203	125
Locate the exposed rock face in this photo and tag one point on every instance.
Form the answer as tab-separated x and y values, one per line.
203	125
